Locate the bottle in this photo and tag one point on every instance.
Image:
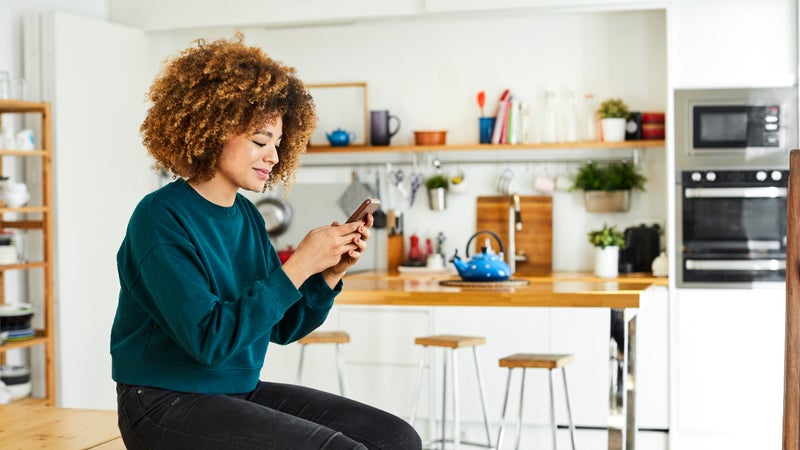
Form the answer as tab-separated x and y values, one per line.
549	130
570	122
589	125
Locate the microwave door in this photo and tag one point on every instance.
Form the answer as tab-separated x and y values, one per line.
718	127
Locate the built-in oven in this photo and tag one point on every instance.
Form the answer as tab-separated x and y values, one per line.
731	227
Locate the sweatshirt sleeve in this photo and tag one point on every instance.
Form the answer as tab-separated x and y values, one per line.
308	313
174	289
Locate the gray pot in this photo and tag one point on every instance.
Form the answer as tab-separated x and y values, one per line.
437	199
607	201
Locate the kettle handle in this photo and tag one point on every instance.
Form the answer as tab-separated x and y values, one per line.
496	237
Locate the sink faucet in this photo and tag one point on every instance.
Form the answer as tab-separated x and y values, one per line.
514	225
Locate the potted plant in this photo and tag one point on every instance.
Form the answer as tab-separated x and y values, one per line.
607	242
606	187
613	115
437	190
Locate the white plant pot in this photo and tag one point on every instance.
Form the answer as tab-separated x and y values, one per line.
613	129
606	262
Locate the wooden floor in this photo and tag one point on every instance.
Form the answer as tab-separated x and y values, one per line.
26	427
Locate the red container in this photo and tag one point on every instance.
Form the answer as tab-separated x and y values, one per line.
652	117
652	131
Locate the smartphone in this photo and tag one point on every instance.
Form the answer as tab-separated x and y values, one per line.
368	206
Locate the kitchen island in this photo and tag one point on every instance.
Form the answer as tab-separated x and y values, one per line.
622	296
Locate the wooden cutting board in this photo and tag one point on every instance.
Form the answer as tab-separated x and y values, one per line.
534	241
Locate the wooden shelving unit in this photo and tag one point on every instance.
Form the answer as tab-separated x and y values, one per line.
42	220
488	147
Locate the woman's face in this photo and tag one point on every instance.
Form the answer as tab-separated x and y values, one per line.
247	160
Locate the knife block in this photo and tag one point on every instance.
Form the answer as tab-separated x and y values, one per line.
395	252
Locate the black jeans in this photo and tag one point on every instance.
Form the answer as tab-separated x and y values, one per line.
272	416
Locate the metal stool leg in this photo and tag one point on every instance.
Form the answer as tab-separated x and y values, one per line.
300	366
341	367
521	402
444	400
569	409
421	369
505	406
483	397
552	408
456	418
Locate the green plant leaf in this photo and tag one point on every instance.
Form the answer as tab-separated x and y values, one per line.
608	177
608	236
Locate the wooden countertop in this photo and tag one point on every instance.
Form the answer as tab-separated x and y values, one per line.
556	290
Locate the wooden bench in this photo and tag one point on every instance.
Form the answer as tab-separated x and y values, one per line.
25	427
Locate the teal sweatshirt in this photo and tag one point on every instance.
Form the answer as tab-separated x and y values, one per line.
202	293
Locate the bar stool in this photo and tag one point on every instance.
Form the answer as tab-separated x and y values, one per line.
452	343
536	361
326	337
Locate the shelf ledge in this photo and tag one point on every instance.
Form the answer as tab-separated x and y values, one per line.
320	149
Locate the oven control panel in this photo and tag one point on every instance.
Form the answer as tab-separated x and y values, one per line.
764	177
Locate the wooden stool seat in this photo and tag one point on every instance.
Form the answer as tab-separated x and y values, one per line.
336	337
450	344
450	341
325	337
526	361
535	361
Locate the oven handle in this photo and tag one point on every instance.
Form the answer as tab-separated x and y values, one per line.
731	192
736	264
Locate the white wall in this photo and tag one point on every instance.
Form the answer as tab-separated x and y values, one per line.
429	72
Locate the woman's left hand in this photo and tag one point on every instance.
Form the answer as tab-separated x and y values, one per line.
350	258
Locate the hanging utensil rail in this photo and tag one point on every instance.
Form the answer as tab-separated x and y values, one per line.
634	159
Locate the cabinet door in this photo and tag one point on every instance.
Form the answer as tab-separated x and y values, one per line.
92	73
177	14
584	332
731	43
482	5
729	365
652	372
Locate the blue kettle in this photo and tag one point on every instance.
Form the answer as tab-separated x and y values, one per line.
485	266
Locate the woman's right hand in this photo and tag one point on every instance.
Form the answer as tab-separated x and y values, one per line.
320	249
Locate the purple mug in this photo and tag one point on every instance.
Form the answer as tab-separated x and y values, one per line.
380	132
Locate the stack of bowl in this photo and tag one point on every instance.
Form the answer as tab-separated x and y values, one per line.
8	248
17	380
15	322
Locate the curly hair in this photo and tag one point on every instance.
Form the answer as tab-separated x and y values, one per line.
212	92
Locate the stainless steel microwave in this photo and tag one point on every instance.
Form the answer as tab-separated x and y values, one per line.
735	128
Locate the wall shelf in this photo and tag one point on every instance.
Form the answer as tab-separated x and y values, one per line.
320	149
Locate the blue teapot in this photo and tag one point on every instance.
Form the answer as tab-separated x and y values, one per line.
340	138
485	266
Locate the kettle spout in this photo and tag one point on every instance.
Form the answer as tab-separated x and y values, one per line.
458	263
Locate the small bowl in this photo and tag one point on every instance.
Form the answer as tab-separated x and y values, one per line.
430	137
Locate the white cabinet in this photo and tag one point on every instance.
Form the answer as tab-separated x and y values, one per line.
728	43
154	15
729	368
438	6
382	359
584	332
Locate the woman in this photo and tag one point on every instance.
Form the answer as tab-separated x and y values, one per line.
202	291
